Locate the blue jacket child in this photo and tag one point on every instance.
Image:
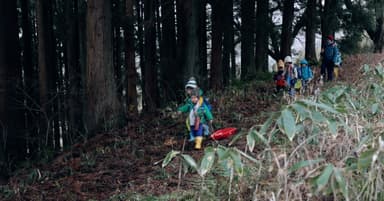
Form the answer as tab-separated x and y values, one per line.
306	72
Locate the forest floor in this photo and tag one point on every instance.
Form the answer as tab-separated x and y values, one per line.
129	160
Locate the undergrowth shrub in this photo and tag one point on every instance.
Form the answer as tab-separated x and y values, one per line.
333	148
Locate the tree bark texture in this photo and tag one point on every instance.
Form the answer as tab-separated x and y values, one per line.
217	44
247	12
150	92
103	107
129	39
310	31
262	35
287	27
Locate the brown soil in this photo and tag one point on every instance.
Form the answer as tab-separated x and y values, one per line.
129	160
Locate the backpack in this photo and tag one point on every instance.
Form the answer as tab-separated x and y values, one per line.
206	102
280	81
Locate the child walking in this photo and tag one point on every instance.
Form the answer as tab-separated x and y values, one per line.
306	74
279	77
189	88
199	114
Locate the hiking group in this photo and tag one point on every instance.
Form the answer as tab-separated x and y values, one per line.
295	79
288	78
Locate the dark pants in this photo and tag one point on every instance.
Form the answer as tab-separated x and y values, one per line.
327	67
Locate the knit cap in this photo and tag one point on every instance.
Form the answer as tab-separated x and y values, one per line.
191	83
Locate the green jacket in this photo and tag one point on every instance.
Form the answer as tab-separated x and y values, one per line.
204	114
203	111
188	103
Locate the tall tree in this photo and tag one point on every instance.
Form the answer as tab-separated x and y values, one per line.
30	75
216	75
47	67
287	28
368	16
262	35
310	31
103	108
12	140
130	59
328	19
203	53
72	53
150	89
192	42
117	13
171	73
247	12
228	39
377	33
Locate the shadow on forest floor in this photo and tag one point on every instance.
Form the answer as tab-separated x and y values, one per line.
129	160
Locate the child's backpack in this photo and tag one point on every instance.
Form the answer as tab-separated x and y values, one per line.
280	81
204	101
298	70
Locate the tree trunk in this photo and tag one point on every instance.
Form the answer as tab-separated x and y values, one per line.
217	43
140	45
192	41
117	48
286	33
310	33
171	75
379	33
248	69
30	77
129	39
262	35
150	91
181	42
203	54
47	71
13	144
228	39
75	98
328	20
103	108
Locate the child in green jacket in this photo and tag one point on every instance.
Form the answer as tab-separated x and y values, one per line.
199	114
189	87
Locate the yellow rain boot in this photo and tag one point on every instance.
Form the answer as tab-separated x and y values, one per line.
336	72
198	141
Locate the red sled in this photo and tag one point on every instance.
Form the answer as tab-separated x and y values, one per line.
223	133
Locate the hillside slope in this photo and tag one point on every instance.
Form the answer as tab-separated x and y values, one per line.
129	160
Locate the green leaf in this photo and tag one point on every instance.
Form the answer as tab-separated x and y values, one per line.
301	110
321	106
267	124
365	159
169	157
302	164
238	165
318	117
323	179
375	108
288	123
332	125
236	138
207	161
251	140
366	68
190	161
222	152
341	182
